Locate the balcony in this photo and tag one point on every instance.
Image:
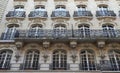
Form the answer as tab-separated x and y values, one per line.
16	14
38	14
30	66
105	14
60	14
82	14
59	66
6	66
63	35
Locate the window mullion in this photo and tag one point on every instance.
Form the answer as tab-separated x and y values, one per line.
87	60
5	59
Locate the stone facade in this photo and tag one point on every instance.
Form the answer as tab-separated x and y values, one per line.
54	36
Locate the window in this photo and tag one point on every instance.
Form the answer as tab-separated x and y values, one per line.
36	30
19	8
81	8
60	11
114	57
60	7
32	60
40	8
87	60
10	32
5	58
60	30
103	7
59	60
108	31
84	31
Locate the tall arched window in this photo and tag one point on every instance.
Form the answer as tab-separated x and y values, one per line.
31	60
60	30
59	60
114	56
108	31
5	58
87	60
84	31
36	31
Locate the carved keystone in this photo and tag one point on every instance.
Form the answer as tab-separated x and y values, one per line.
101	44
73	44
46	44
19	45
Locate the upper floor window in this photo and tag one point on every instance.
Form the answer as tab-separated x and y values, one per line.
60	8
40	8
10	32
81	8
5	58
103	7
84	30
108	30
19	8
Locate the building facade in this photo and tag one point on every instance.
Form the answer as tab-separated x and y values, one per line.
54	36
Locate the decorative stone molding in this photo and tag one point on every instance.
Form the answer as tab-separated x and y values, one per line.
107	19
74	55
20	0
60	3
19	3
73	44
81	2
19	45
40	0
46	44
98	2
101	44
40	3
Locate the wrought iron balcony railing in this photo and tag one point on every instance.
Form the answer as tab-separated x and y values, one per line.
105	13
64	14
30	66
78	14
62	34
59	66
39	14
89	67
16	14
6	66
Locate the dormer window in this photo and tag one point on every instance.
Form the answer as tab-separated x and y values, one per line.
19	8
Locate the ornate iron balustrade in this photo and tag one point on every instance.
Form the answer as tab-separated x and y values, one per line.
60	14
105	13
65	66
6	66
82	14
62	34
89	67
40	14
30	66
17	14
